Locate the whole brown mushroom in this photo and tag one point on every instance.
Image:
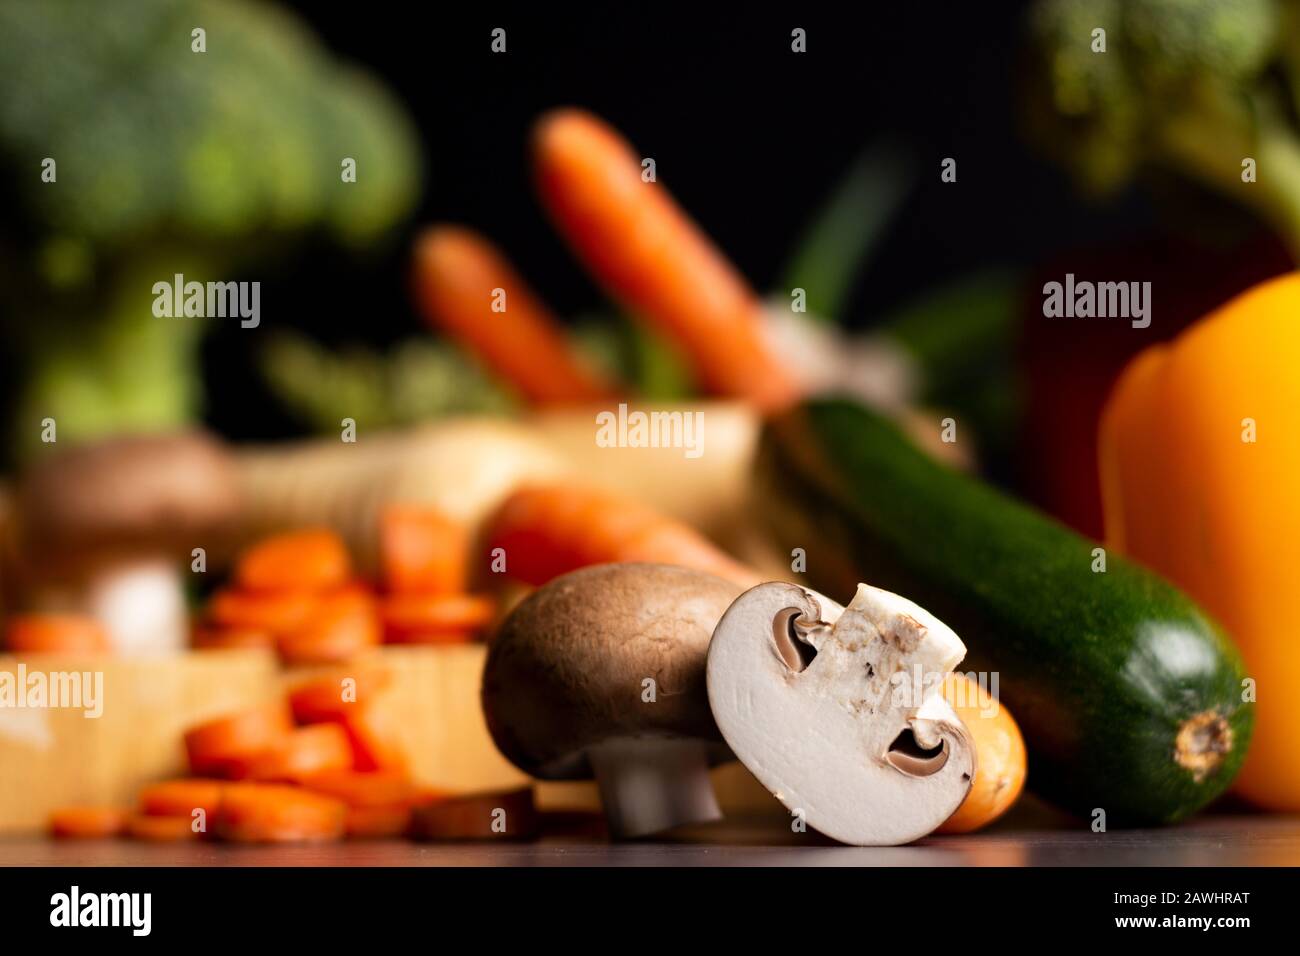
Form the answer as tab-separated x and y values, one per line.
106	528
601	672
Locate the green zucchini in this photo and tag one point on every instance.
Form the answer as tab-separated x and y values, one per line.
1128	695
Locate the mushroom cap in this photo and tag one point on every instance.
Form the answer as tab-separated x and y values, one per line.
568	669
128	496
838	711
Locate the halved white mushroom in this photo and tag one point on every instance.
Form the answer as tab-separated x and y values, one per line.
838	711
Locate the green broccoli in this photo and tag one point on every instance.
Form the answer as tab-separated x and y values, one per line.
167	160
1188	87
416	380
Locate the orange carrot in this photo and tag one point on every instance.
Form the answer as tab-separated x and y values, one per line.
466	288
431	638
55	634
477	816
422	550
329	698
377	823
272	813
341	626
274	611
548	530
87	823
220	747
304	752
207	638
653	258
434	618
160	829
377	788
180	798
375	742
312	559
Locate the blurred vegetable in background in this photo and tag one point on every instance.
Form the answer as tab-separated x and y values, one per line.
417	380
1185	92
168	161
1069	367
1184	87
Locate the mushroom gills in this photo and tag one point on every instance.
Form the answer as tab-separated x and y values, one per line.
791	635
650	784
838	711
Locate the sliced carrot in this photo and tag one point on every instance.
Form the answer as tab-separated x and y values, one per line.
431	638
55	634
376	745
341	626
378	823
160	829
639	244
209	638
87	823
273	611
422	550
459	278
332	697
549	530
273	813
221	747
312	559
304	752
180	798
480	816
377	788
416	615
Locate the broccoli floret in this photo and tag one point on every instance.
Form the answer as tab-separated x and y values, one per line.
168	160
149	136
1187	87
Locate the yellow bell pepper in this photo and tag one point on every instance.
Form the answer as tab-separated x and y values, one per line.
1200	474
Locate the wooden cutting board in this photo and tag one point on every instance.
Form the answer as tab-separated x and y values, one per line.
54	757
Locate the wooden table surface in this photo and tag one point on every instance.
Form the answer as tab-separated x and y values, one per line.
1027	840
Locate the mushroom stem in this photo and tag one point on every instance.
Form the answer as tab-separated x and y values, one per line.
142	606
652	784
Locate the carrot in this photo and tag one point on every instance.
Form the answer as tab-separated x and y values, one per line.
375	742
304	752
378	788
312	559
87	823
180	798
160	829
208	638
640	245
457	275
329	698
479	816
276	612
273	813
999	753
377	823
432	638
548	530
340	627
220	747
423	551
55	634
434	618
